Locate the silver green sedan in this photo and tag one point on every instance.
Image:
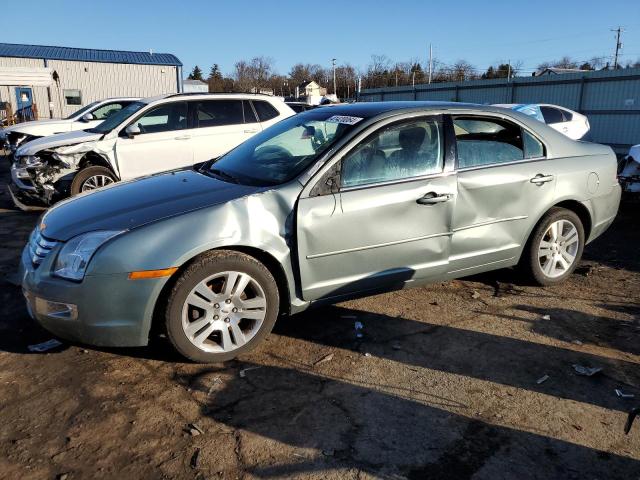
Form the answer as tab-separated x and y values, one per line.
327	205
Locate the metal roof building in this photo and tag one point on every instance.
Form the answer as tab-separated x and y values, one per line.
60	80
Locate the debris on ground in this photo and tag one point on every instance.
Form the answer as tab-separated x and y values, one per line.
62	476
632	415
504	289
195	459
243	372
396	346
358	327
585	270
475	294
542	379
546	317
586	371
367	354
621	394
195	430
576	342
326	358
216	383
435	304
44	346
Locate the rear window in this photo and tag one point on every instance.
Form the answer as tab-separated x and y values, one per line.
265	110
216	113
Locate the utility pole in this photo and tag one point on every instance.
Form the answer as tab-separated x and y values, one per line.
618	31
509	71
333	63
430	62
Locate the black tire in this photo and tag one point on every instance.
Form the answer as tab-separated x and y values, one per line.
85	174
204	267
530	263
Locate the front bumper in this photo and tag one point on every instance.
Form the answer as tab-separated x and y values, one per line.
105	310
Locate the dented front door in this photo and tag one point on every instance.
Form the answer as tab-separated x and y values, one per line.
378	237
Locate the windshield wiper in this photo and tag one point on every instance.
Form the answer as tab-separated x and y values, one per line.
224	175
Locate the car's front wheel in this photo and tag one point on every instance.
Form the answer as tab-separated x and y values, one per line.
222	305
555	247
91	178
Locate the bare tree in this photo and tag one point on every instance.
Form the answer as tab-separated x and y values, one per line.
242	76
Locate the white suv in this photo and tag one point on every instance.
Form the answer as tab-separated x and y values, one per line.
148	136
88	116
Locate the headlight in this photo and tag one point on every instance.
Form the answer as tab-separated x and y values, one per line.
32	161
74	257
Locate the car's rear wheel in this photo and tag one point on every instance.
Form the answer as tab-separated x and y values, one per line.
554	248
222	305
91	178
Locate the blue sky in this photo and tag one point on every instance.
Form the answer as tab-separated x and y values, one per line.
207	32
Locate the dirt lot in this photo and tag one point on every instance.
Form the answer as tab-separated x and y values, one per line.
444	384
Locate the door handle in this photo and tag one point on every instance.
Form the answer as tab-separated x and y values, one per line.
183	137
539	179
432	198
251	131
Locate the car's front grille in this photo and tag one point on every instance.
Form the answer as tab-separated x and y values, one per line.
40	247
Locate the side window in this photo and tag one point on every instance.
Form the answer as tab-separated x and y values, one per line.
395	152
487	141
164	118
265	110
551	115
533	148
107	110
216	113
249	115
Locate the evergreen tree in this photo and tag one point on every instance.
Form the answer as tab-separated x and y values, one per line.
196	74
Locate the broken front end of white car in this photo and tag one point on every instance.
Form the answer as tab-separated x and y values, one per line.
40	179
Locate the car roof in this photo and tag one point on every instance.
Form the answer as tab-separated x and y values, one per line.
204	96
373	109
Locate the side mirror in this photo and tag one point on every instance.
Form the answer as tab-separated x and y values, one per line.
87	117
132	131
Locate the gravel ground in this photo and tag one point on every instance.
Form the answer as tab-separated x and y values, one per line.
445	383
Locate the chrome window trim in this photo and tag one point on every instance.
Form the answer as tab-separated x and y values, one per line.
397	181
494	165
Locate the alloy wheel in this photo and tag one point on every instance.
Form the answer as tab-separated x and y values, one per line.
558	248
96	181
224	311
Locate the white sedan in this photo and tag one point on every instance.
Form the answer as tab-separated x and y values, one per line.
573	124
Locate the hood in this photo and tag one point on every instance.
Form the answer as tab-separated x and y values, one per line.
34	128
128	205
59	140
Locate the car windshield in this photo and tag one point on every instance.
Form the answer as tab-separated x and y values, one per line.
82	111
117	118
284	150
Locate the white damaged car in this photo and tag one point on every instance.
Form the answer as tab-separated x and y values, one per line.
89	116
146	137
629	175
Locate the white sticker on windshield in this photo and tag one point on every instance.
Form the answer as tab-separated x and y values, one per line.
346	119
